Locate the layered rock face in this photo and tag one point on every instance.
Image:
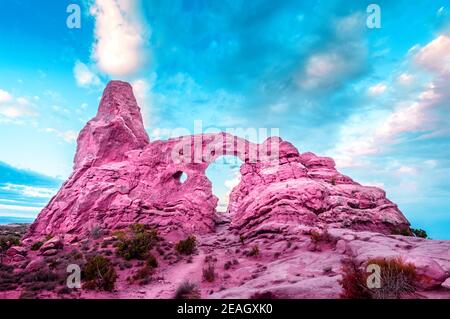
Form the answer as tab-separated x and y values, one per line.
121	178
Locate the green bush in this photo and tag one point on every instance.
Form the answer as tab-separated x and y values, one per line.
333	180
137	243
322	237
187	290
99	273
187	246
37	245
143	275
151	261
398	279
419	233
208	273
8	241
254	252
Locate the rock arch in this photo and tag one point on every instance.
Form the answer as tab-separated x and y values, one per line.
121	178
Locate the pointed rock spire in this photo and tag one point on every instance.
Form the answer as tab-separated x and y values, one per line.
116	129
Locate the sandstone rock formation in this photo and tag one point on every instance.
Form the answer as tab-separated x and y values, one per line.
121	178
295	211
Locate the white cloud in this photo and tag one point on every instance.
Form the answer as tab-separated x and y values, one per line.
30	191
121	35
435	56
15	107
21	208
377	89
85	76
343	58
405	79
67	136
5	96
142	92
224	198
279	107
431	163
407	170
375	131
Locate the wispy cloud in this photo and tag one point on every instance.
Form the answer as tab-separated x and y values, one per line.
373	132
13	107
67	136
84	76
340	60
29	191
121	37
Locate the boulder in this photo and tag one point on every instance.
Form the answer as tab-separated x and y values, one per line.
35	265
53	243
446	283
16	250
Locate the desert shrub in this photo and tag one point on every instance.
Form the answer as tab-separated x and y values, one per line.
187	246
419	233
354	281
99	273
143	274
254	252
42	280
8	241
8	279
227	265
334	181
151	261
37	245
398	279
187	290
322	237
96	232
41	276
136	244
209	273
242	239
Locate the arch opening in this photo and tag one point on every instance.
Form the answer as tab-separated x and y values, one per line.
180	176
224	174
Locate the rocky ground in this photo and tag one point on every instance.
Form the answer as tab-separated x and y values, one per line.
289	262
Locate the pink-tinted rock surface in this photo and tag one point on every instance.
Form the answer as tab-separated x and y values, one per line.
121	178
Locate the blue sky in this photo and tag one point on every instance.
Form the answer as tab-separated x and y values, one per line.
374	99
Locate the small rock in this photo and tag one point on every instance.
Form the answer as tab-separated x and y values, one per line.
19	259
446	283
50	252
35	265
430	273
16	250
52	244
